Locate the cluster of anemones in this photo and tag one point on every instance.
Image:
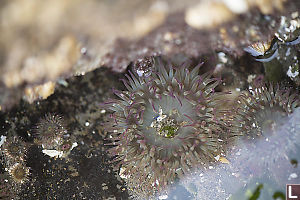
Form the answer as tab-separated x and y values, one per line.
14	151
50	132
166	124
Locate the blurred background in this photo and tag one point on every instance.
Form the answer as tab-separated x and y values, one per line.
62	57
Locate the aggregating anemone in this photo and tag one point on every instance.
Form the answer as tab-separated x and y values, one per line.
165	124
50	130
13	150
261	119
19	173
263	110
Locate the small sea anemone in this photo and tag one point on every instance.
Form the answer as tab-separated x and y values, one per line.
19	173
263	110
165	124
13	150
261	119
50	130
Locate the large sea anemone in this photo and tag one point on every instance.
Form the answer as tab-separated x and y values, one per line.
165	124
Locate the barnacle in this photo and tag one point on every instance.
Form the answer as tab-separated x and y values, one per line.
165	124
258	48
50	130
279	57
263	51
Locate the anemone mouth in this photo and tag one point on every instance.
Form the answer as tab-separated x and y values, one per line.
169	118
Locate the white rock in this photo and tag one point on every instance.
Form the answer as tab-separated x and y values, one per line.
237	6
3	138
292	74
163	196
53	153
